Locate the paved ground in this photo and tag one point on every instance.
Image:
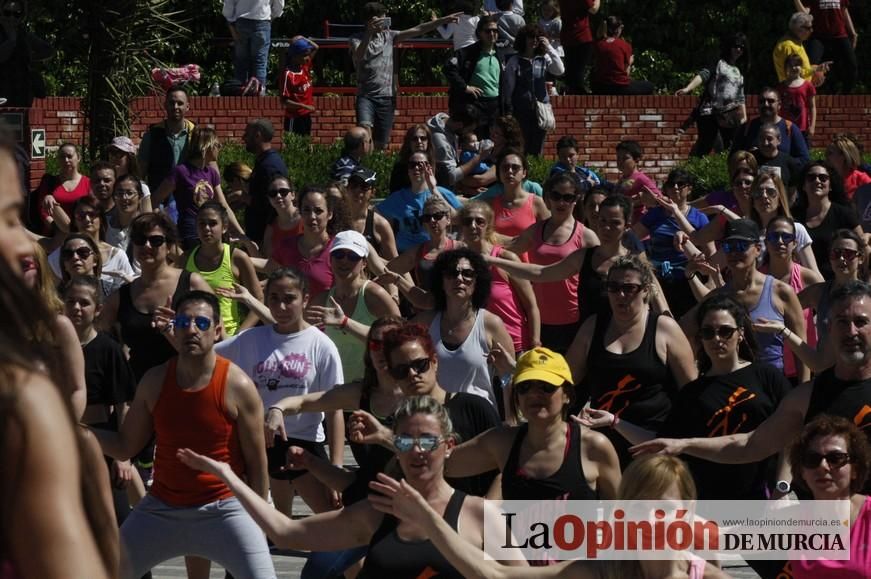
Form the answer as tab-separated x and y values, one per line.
290	566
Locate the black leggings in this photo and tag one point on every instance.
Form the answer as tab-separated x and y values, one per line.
711	136
577	59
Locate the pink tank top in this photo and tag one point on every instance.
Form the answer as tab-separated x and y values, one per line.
513	222
316	268
860	554
504	303
557	300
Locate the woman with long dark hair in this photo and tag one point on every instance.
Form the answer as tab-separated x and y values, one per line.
418	137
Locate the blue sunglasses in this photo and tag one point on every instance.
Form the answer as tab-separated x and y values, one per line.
737	246
183	322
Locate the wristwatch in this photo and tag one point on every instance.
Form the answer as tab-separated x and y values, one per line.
783	486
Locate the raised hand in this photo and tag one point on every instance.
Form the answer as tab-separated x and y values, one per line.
363	428
330	315
273	425
197	461
237	293
297	459
672	446
397	498
594	418
768	326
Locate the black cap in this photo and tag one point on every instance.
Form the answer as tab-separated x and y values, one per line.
363	174
742	229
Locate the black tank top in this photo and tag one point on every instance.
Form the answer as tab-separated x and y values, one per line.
148	347
567	483
369	231
592	297
371	458
636	386
390	556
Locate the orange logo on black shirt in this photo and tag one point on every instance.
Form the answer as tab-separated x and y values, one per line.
739	396
608	400
428	573
863	417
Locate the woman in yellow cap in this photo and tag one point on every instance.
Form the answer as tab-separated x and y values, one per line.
547	457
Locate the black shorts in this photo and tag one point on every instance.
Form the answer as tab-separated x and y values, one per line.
276	457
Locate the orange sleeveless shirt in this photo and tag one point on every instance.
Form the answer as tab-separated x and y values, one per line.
199	421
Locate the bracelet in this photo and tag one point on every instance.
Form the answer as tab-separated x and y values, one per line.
783	331
275	408
615	421
345	321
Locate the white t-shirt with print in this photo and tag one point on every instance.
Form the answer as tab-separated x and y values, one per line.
283	365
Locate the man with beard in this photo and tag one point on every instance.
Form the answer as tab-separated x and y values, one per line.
206	403
791	140
843	390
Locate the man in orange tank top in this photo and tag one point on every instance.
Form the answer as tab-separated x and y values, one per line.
200	401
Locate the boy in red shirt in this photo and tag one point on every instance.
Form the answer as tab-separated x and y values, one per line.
798	98
296	86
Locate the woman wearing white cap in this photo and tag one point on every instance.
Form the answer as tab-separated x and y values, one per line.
547	457
352	304
122	155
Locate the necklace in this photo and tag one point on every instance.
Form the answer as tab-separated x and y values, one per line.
470	313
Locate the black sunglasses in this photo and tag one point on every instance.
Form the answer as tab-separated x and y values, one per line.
467	274
420	366
346	254
566	198
834	459
82	252
152	240
525	387
437	216
282	191
779	237
722	332
676	184
630	289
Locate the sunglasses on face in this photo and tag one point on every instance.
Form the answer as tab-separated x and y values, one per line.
87	214
845	254
401	371
81	252
525	387
833	459
184	322
821	177
124	193
511	167
280	192
429	217
565	198
722	332
419	138
629	289
417	164
676	184
470	221
735	246
743	182
764	192
779	237
427	442
467	274
152	240
346	255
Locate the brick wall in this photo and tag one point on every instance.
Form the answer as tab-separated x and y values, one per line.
598	122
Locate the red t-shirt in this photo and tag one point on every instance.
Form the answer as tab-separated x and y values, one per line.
795	102
67	199
297	86
611	61
575	15
829	21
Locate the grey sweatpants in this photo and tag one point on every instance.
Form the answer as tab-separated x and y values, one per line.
220	531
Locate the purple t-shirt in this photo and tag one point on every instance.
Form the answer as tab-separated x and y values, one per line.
724	197
193	186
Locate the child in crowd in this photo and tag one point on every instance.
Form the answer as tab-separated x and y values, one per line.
510	23
463	30
798	98
632	182
552	24
567	153
469	146
296	86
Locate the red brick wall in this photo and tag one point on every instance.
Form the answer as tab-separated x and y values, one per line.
598	122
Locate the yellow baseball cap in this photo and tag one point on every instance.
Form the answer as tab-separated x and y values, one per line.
542	364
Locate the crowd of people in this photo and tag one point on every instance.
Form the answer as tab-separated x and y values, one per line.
186	348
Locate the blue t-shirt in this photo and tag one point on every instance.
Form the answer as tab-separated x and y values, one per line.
482	167
496	190
663	227
403	208
587	177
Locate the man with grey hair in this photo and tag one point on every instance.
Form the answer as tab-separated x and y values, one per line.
267	164
357	143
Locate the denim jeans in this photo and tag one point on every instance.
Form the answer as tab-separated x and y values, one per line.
331	563
376	113
252	49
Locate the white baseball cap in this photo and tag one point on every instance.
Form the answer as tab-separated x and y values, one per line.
351	240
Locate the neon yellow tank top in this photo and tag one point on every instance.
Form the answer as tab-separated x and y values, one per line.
220	277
